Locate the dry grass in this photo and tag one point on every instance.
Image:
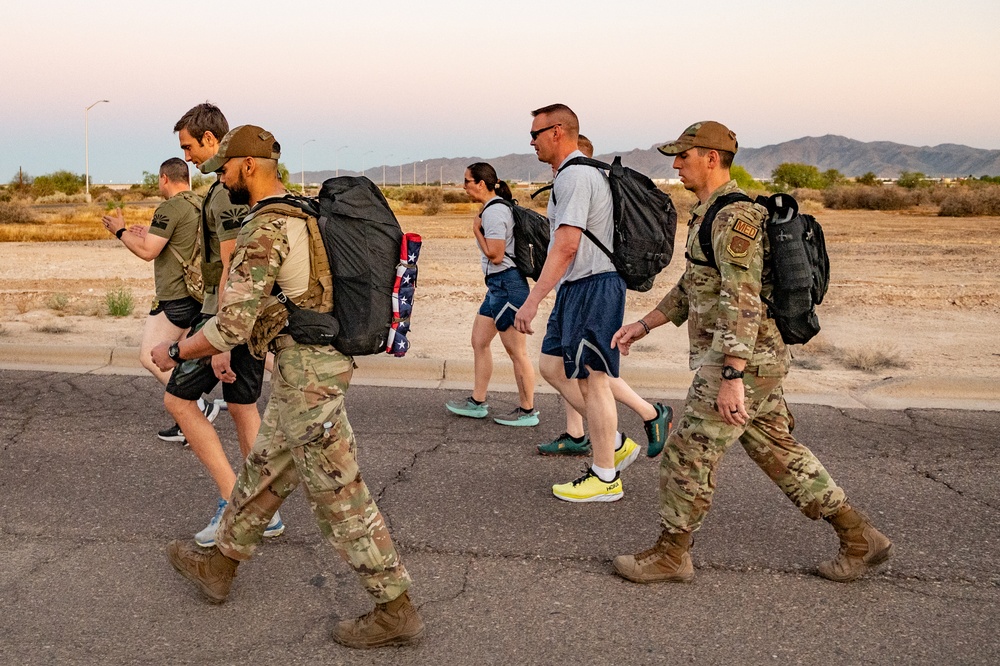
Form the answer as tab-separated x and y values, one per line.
58	302
69	224
872	359
3	331
54	329
120	301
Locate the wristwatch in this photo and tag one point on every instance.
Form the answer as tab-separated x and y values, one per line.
174	352
729	372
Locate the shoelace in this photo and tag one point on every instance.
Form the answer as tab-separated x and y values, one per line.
587	474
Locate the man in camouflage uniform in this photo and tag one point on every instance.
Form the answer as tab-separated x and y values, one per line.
305	436
740	361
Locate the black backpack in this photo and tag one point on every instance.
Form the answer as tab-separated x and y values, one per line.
645	222
531	238
799	263
368	256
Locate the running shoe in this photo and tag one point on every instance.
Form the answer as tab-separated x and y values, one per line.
468	407
657	429
519	417
590	488
564	445
626	454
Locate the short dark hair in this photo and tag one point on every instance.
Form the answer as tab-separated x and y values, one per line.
725	157
565	114
175	169
203	118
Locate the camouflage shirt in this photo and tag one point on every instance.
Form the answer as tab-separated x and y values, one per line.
248	314
723	308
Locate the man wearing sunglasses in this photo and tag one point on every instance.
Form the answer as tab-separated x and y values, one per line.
590	302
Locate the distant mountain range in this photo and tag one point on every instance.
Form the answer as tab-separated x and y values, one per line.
850	157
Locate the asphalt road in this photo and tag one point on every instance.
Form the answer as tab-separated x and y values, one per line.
504	573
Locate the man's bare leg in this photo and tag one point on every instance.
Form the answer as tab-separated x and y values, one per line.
157	329
247	421
203	440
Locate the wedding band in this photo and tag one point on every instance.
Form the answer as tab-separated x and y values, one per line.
734	411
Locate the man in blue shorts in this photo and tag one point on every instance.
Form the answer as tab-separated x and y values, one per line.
590	301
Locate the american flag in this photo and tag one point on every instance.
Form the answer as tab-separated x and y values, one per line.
402	295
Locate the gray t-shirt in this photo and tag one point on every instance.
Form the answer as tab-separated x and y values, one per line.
498	224
581	197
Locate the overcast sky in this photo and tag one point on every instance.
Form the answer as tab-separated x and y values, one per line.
402	81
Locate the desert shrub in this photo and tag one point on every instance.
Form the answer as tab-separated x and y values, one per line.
807	194
66	182
434	201
967	201
15	213
54	329
868	197
58	302
912	180
455	196
872	359
868	178
61	197
120	301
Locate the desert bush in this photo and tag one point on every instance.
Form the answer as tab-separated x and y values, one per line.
868	197
58	302
868	178
872	359
969	201
434	202
455	196
912	180
744	179
54	329
65	182
15	213
120	301
802	194
793	175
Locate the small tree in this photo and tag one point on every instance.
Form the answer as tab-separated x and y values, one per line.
744	179
791	175
832	177
869	179
150	181
66	182
283	174
912	180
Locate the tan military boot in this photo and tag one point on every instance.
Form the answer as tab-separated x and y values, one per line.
207	568
394	623
666	562
862	547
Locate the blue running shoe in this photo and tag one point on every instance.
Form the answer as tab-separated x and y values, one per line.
468	407
275	527
206	538
519	417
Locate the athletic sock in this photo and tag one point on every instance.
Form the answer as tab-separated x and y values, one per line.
578	440
604	474
619	441
476	402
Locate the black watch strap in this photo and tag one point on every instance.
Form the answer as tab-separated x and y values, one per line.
174	352
729	372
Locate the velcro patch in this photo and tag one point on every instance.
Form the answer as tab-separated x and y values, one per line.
747	230
738	247
159	221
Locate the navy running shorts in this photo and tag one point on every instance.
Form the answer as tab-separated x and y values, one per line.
587	314
506	291
192	379
180	312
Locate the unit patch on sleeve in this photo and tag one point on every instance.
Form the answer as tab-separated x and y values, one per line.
738	247
159	221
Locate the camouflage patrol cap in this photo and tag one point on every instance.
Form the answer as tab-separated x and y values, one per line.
243	141
706	134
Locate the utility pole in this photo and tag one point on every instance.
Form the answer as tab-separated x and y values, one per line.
86	145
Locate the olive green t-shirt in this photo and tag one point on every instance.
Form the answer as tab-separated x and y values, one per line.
177	220
223	220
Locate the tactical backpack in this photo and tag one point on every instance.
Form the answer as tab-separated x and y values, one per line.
531	238
373	265
799	263
193	279
645	222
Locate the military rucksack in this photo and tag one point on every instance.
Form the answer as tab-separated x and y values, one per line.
531	238
193	279
372	263
799	263
645	222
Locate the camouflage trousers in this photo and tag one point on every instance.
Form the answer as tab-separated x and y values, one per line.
305	437
701	438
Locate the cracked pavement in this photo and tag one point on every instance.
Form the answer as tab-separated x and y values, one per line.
503	572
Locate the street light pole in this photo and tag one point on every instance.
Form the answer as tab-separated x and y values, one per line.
425	174
384	160
363	160
414	173
86	145
303	165
338	159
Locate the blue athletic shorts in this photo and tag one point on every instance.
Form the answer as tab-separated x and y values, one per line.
587	314
506	291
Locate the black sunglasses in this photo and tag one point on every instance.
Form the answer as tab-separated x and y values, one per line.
537	133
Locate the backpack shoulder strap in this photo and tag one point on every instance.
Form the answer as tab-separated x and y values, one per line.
705	230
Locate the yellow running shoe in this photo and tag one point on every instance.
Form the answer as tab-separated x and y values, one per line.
590	488
627	454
